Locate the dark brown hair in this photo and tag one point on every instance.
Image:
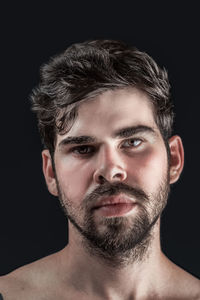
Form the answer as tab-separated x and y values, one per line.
87	69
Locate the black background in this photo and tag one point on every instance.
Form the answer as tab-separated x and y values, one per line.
31	222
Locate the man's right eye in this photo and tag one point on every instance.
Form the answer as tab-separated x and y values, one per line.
82	150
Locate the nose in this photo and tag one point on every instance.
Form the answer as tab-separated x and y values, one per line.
110	167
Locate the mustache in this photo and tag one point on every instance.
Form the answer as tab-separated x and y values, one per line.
108	189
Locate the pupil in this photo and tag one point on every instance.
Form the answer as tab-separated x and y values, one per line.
83	149
134	142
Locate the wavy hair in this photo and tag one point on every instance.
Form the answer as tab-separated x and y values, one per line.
88	69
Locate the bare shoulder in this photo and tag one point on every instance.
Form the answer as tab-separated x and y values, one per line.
185	285
190	284
28	280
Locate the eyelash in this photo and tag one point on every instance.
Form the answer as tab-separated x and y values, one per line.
73	150
135	139
76	150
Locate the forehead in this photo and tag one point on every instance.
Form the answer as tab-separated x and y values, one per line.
111	111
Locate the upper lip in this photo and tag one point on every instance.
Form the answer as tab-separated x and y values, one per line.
115	199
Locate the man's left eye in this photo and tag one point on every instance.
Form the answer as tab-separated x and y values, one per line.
132	143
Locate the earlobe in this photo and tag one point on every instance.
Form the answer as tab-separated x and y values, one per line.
49	172
176	158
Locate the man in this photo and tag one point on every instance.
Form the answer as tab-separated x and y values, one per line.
105	118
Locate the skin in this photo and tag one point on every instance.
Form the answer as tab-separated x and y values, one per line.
73	272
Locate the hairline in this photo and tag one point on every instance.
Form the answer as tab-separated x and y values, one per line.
76	105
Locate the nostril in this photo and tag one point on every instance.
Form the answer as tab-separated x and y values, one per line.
118	175
101	179
108	174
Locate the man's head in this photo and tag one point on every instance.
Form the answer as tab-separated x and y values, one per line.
88	69
107	158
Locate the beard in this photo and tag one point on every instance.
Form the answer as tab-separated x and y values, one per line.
119	241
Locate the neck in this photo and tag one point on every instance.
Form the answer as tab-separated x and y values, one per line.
96	275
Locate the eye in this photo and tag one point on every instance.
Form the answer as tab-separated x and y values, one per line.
83	150
132	143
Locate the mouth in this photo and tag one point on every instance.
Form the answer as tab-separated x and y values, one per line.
115	206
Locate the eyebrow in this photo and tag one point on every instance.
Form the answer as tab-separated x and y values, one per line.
120	133
129	131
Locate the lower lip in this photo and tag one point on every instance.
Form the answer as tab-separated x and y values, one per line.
115	210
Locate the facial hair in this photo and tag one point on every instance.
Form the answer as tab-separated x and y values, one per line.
121	240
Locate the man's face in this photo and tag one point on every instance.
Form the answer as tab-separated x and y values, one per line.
112	172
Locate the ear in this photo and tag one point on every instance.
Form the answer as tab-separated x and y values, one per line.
49	172
176	158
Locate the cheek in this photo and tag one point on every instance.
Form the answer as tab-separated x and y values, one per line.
74	179
149	168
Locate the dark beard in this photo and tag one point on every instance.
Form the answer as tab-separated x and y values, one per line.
125	239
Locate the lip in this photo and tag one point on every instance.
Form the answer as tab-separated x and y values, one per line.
114	206
115	210
114	200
